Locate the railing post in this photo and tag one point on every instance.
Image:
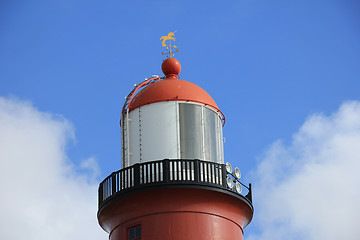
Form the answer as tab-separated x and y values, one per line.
136	174
166	170
249	195
224	175
100	194
113	183
197	171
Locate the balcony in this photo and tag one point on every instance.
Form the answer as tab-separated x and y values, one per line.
167	173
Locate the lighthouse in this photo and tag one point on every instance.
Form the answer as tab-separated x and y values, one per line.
174	183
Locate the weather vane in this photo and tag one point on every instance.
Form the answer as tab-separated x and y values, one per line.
169	37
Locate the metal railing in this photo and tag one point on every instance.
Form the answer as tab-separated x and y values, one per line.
165	172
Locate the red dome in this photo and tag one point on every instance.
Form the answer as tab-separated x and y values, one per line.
172	89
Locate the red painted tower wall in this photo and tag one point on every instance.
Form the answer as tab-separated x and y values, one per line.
177	214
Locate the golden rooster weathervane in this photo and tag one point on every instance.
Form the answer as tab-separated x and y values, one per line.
169	37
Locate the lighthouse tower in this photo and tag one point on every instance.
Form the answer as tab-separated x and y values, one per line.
173	183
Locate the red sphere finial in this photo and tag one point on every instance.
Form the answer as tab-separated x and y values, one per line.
171	67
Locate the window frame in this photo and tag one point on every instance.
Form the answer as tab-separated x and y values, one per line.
134	228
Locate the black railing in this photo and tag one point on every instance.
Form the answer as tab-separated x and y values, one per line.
166	172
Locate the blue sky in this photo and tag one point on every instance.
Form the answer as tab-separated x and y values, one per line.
271	67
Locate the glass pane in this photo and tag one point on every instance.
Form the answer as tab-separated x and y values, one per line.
131	234
134	233
190	131
138	232
210	129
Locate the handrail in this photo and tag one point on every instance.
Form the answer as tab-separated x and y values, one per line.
130	96
165	172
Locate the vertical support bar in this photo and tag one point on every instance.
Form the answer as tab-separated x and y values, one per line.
166	170
157	171
197	170
151	172
224	175
113	183
100	194
185	168
122	179
205	171
143	166
161	171
148	170
136	175
117	182
249	195
176	164
208	166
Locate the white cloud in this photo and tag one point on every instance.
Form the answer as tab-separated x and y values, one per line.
310	189
42	196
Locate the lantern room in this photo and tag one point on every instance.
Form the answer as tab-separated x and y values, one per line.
171	118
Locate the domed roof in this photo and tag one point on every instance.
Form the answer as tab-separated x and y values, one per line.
171	89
